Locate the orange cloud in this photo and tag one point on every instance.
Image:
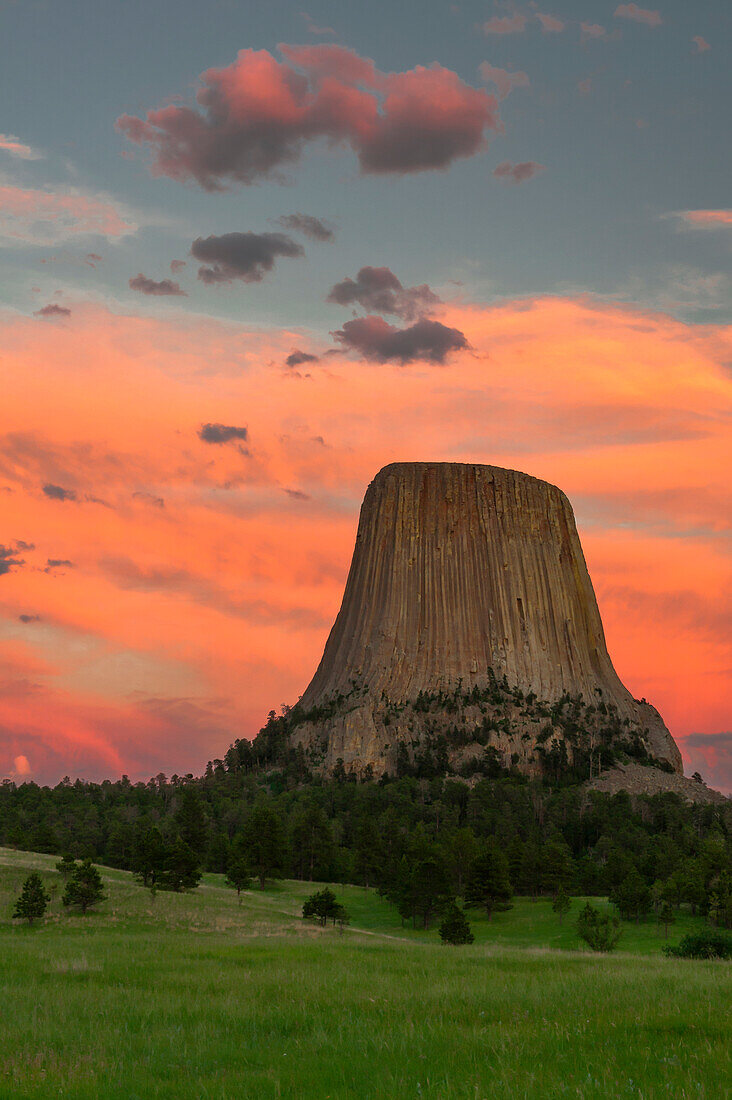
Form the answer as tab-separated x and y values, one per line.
205	578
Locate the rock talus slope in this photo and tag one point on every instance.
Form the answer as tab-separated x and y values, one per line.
461	574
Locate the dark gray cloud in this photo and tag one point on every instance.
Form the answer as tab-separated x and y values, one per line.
517	173
57	492
245	256
53	310
375	339
149	498
296	358
29	618
222	433
163	288
311	227
297	494
9	556
58	563
378	290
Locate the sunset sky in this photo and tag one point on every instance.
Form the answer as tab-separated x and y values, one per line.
252	253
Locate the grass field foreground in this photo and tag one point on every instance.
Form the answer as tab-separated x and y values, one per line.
193	995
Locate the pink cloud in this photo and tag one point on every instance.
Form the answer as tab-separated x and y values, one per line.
711	755
257	115
314	28
504	79
701	44
21	770
517	173
506	24
584	87
549	23
22	766
707	219
592	30
16	148
638	15
46	217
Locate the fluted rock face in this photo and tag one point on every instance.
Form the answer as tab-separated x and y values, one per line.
460	569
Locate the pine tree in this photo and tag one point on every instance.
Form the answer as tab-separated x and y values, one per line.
488	882
666	917
237	869
561	903
218	853
632	896
324	907
367	861
181	869
84	888
263	841
461	850
66	866
421	887
311	842
33	900
148	855
191	820
557	866
455	927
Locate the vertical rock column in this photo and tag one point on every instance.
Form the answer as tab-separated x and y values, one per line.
459	568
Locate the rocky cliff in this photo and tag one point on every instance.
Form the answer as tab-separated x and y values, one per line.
468	627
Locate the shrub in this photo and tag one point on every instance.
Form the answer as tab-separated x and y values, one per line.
702	945
455	927
600	931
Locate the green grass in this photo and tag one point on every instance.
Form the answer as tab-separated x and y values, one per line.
194	996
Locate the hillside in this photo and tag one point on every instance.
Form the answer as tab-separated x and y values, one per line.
191	995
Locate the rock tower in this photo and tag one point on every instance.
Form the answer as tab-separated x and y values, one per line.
468	626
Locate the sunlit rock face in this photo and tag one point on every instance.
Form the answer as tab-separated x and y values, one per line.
462	575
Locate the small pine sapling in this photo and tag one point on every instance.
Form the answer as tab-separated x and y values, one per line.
66	866
561	903
666	917
600	931
84	888
33	900
237	871
455	927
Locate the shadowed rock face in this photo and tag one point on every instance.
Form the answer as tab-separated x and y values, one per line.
460	569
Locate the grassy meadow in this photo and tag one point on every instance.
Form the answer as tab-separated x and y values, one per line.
196	996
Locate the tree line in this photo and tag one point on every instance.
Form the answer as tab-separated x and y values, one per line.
420	842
